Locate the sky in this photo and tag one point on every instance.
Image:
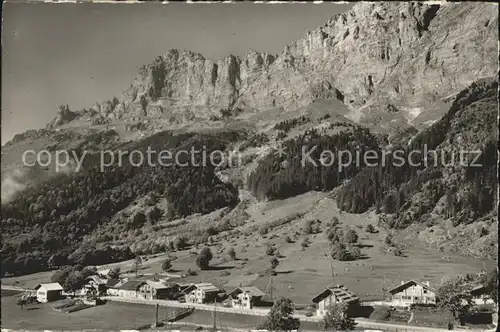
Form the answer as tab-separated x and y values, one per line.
79	54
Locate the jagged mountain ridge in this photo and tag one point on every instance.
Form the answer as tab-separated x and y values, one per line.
386	61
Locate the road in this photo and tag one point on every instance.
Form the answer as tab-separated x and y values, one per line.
361	322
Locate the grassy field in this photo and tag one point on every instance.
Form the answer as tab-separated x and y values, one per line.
302	274
112	316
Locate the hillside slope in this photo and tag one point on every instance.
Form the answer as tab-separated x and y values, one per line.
372	70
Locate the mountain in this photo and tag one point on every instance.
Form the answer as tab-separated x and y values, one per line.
381	77
386	61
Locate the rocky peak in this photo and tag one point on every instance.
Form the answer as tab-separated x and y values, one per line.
64	115
407	55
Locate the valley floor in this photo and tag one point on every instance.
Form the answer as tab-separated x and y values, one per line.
302	274
115	316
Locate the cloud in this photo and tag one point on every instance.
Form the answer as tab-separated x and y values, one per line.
12	183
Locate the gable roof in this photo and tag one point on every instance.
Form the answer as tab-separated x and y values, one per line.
251	290
478	289
410	283
97	279
54	286
112	282
206	287
130	285
157	284
104	272
340	292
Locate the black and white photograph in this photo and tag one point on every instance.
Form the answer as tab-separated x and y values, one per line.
249	166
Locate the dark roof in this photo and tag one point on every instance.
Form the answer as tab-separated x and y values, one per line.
407	284
267	298
112	282
131	285
478	289
342	294
251	290
206	287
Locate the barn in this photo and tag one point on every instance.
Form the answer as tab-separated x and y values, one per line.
48	292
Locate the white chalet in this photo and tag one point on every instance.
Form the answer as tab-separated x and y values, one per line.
201	293
246	297
412	292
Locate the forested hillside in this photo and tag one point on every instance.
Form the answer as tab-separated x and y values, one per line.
412	192
43	225
306	163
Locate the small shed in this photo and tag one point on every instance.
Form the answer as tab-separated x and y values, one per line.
48	292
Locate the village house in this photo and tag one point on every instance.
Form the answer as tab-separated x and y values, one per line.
158	290
412	292
97	285
480	295
201	293
126	288
48	292
246	297
103	272
332	295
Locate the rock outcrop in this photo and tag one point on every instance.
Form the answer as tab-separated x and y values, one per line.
408	55
380	59
64	115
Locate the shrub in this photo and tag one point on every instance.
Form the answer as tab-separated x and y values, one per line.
203	238
370	229
388	240
397	252
351	236
270	250
232	254
332	236
354	252
274	262
288	239
180	243
137	220
336	318
154	214
204	258
211	231
280	317
167	265
263	230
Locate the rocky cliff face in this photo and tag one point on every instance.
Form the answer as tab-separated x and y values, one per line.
378	58
406	55
183	80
